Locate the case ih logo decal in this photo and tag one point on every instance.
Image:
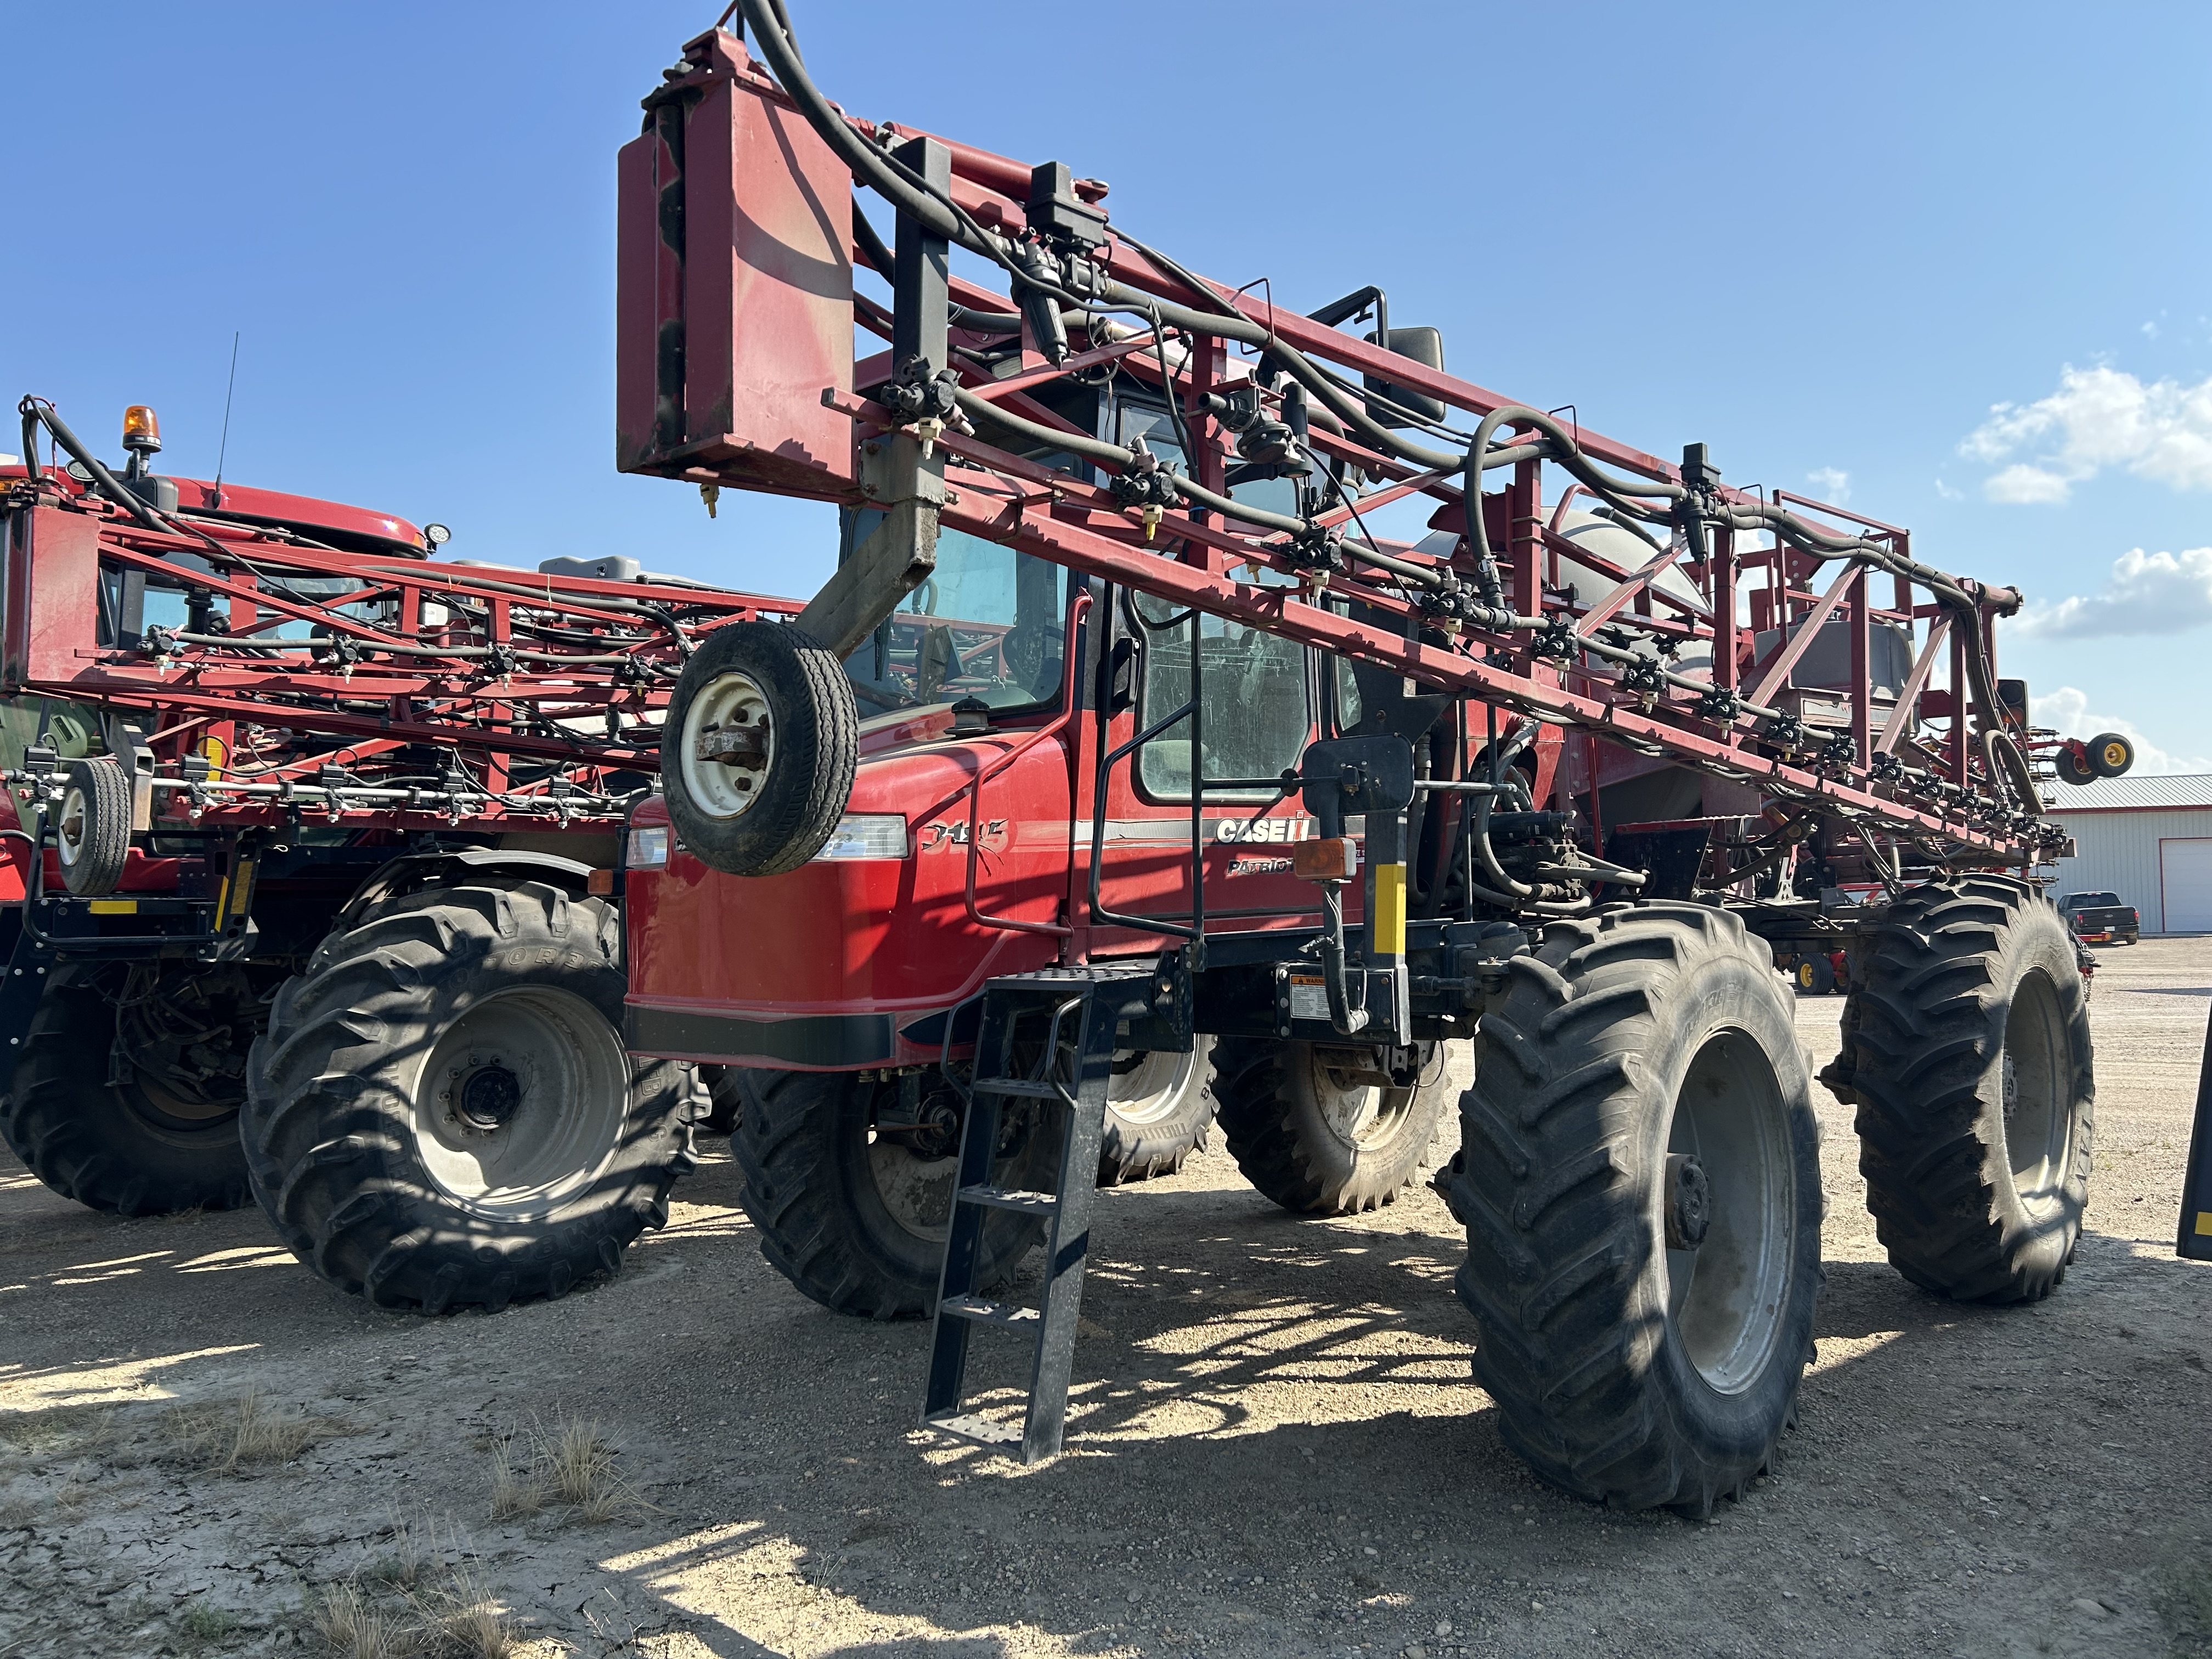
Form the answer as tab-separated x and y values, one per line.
1253	829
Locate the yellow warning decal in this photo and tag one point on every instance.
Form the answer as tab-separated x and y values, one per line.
112	907
1391	909
2205	1224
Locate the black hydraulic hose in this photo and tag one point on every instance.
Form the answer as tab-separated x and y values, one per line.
1097	449
2000	755
879	257
1229	507
984	322
771	33
1347	1019
910	194
107	483
1568	453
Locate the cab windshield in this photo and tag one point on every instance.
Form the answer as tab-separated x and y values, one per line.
988	624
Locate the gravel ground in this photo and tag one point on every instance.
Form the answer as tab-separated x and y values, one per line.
1275	1447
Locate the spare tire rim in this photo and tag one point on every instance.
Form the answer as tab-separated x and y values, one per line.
1725	1298
518	1108
2036	1080
70	830
729	705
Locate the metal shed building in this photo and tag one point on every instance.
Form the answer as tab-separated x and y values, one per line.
2147	839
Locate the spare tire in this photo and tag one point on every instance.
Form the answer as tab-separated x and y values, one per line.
758	749
92	835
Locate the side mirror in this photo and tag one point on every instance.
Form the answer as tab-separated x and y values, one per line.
1425	346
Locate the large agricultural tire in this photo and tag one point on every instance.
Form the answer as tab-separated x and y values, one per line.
856	1220
441	1115
158	1142
1640	1181
774	806
1312	1130
1159	1106
92	835
1967	1053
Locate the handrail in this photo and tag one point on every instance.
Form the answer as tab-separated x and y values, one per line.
986	771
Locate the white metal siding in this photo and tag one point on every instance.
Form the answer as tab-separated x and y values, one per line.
2119	854
2186	870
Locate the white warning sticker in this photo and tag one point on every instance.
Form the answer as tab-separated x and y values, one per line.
1308	997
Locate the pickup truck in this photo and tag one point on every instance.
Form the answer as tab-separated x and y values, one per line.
2101	919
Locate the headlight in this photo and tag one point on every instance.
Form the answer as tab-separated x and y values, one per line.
867	835
648	848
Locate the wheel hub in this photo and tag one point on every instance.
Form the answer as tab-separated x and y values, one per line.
487	1098
1689	1202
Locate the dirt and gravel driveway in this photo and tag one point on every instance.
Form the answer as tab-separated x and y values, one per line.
1276	1450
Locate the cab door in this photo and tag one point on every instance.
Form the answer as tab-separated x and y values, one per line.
1247	712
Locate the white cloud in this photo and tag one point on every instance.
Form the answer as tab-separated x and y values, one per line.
1946	493
2099	417
2067	711
2146	593
1832	484
2021	484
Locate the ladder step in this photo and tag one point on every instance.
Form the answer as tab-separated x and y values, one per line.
1010	1086
1009	1198
988	1313
981	1430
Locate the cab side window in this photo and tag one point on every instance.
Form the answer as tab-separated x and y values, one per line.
1253	718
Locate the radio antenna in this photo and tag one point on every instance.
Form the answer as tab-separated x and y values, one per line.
230	386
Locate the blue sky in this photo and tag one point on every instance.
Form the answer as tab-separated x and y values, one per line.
1822	240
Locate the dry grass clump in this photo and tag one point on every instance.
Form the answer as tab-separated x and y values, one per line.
456	1619
572	1462
355	1627
58	1429
223	1436
461	1617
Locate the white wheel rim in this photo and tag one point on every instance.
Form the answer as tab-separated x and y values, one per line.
70	832
519	1106
718	788
1151	1087
2036	1081
1726	1298
1363	1115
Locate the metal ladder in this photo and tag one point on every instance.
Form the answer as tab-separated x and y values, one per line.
1083	1006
